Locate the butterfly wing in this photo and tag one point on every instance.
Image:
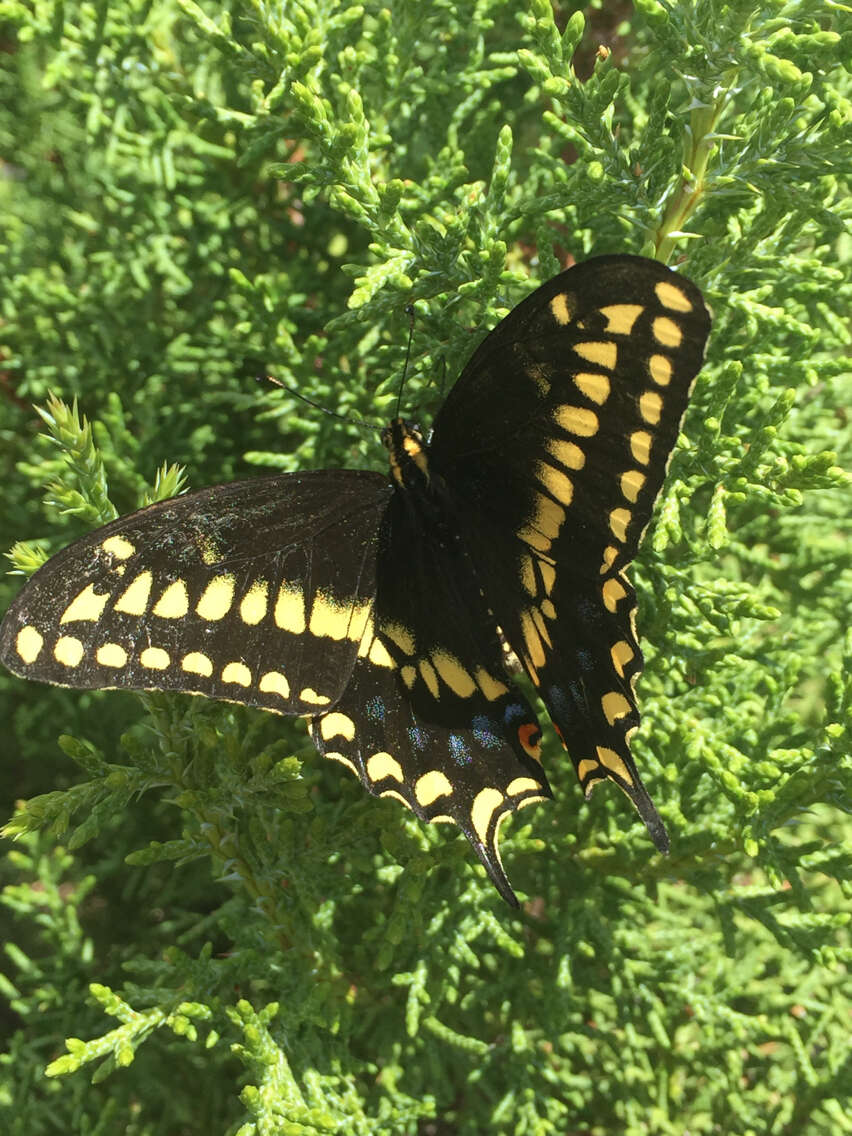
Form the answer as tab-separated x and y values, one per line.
258	592
441	726
555	442
303	594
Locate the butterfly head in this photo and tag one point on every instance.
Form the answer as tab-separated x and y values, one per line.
407	453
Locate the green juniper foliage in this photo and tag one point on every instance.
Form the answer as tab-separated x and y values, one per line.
196	194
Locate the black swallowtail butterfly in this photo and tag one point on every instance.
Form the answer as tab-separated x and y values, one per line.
384	608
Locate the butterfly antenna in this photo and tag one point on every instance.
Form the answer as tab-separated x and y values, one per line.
353	419
409	311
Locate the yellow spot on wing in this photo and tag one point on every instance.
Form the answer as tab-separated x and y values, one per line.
640	446
534	538
68	651
610	760
196	663
429	677
594	387
585	767
28	644
329	617
154	659
254	603
173	603
621	653
382	765
539	375
672	297
528	580
134	599
361	623
621	317
666	332
85	605
207	548
522	785
408	675
344	760
375	650
217	597
548	609
111	655
457	678
650	407
631	483
604	354
541	626
577	420
119	547
566	453
532	639
274	682
337	725
485	804
396	796
548	516
399	635
558	484
613	591
290	609
660	370
562	308
609	556
490	686
615	706
548	575
237	673
619	519
308	694
431	786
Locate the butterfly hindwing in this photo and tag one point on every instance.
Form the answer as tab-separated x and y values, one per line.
258	592
445	730
577	398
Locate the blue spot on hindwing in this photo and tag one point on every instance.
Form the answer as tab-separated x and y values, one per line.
484	732
417	736
458	748
514	711
375	709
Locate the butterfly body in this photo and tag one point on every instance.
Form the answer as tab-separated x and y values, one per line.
379	606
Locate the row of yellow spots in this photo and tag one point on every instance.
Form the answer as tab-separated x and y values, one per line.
548	510
620	320
548	514
69	651
430	786
328	617
440	666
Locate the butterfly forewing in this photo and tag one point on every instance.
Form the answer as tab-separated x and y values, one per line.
258	592
592	374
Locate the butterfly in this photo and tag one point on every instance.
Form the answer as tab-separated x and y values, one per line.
393	610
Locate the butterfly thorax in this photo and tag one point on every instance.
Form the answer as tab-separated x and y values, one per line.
407	454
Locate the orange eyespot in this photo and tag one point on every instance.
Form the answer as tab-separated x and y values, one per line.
529	735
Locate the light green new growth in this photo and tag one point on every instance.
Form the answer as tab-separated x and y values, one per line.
219	928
